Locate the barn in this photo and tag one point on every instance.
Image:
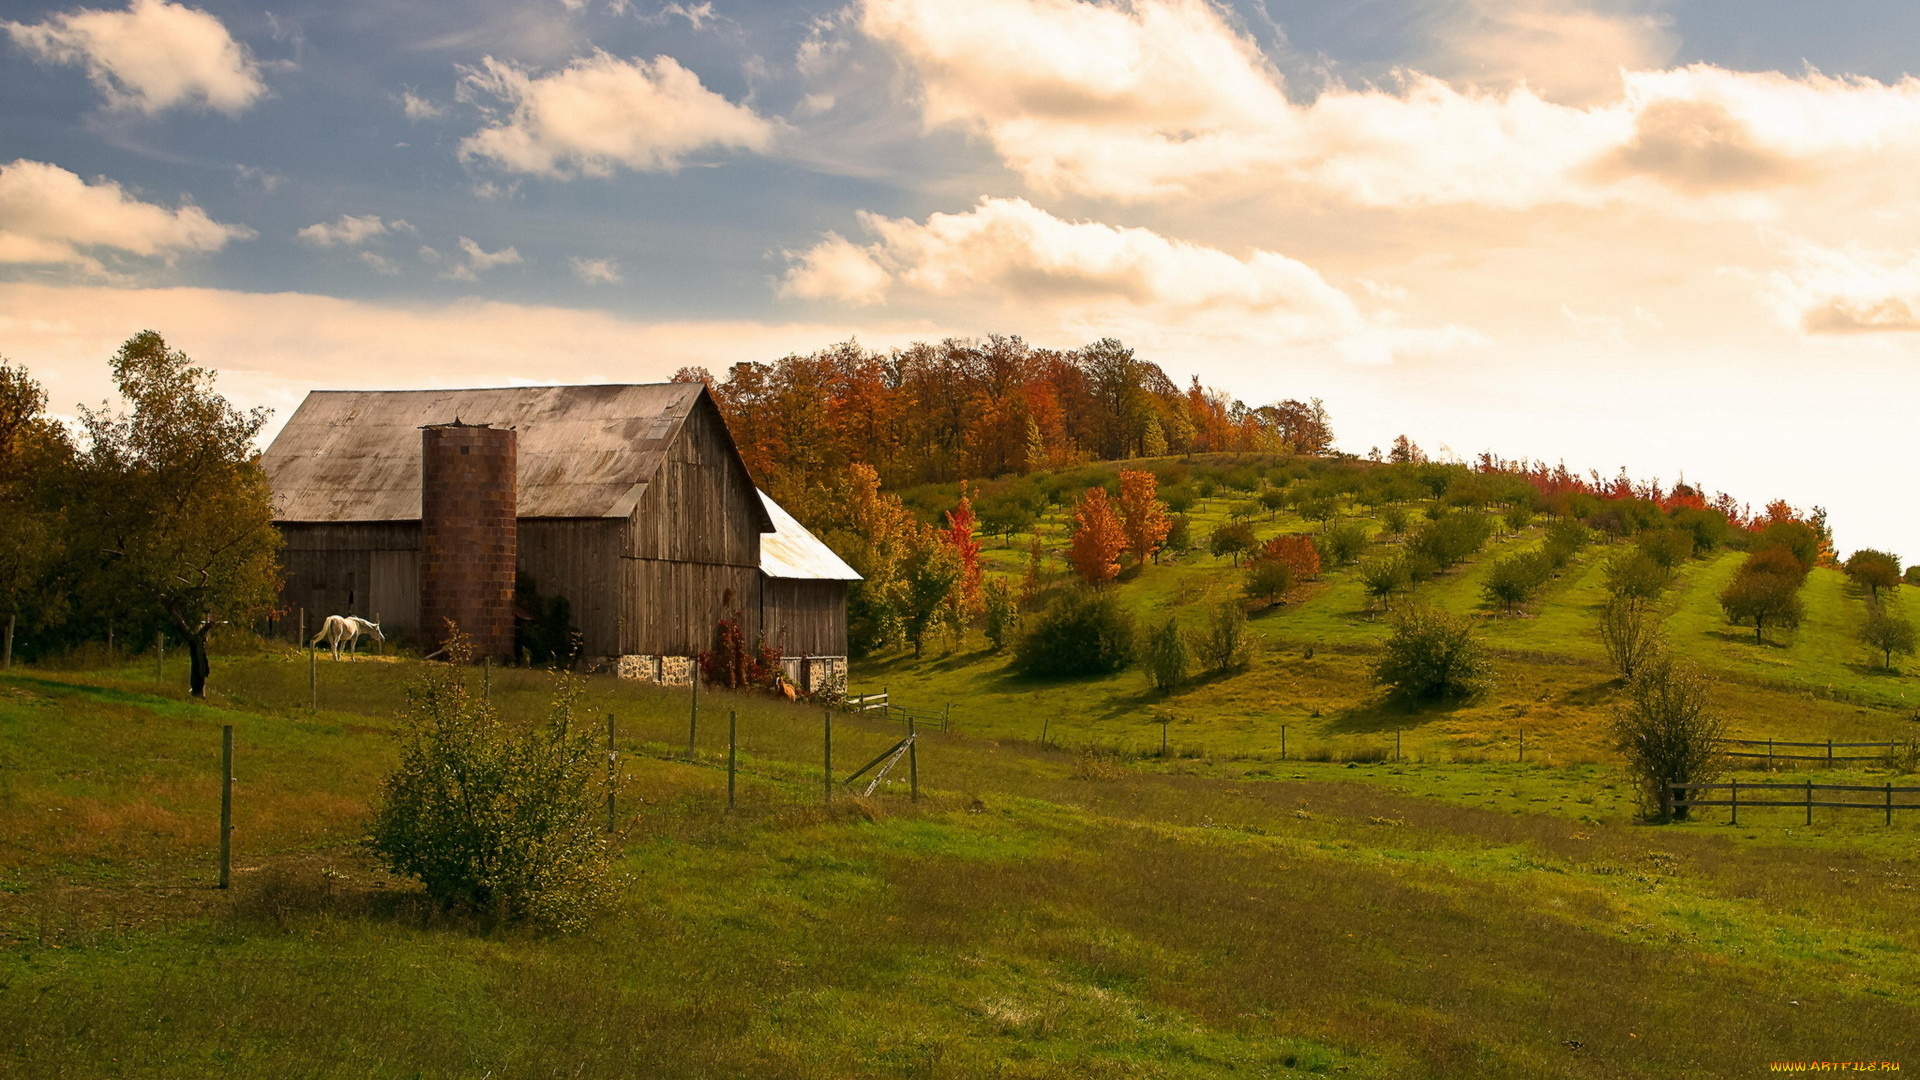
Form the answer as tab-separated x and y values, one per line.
630	501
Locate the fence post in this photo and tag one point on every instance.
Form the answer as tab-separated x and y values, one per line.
913	762
1889	802
693	712
1736	802
826	759
1396	744
6	663
1523	746
1809	802
226	804
486	678
313	680
733	721
1829	753
946	722
302	639
612	773
1770	767
1283	741
159	657
1044	721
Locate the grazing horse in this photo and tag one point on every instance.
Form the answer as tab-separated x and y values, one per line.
345	629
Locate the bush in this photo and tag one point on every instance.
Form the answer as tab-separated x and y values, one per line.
1628	630
1269	580
1178	497
1668	736
1343	544
491	819
1179	535
1887	632
1394	519
1432	656
1222	645
1668	548
1518	516
1166	658
1568	535
1082	633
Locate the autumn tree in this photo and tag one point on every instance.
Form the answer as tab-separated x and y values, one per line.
1145	517
33	449
1766	591
1297	551
173	498
1098	538
966	548
1873	570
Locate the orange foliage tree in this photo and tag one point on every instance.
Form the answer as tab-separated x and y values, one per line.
1146	516
1098	538
1296	552
960	522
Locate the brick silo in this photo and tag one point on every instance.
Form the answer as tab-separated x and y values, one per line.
468	540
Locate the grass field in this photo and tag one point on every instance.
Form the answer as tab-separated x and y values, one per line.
1078	906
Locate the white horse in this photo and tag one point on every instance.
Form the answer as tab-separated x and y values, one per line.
341	630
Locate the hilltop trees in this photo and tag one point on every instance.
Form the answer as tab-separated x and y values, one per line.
1765	591
1873	570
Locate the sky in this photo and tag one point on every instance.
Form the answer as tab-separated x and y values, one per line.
1680	238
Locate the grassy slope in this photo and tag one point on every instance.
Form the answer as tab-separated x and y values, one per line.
1036	915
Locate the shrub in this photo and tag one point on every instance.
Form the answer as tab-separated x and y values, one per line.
1513	580
1394	519
1432	656
1342	545
1912	576
1221	646
492	819
1568	535
1002	611
1178	497
1268	579
1887	632
1166	658
1179	534
1668	736
1082	633
1518	516
1630	634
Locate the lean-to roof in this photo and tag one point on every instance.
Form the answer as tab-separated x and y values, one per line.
791	552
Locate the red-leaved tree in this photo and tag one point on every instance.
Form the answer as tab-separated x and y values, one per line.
1146	516
1098	538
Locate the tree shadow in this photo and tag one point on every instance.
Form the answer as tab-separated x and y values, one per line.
1590	695
1382	715
1741	637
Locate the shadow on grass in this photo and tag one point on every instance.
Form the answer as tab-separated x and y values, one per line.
1382	716
1741	637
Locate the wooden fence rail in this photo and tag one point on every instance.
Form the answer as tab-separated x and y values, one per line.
1683	796
882	703
1776	750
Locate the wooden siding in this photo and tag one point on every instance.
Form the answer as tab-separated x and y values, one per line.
672	608
701	507
580	560
805	618
348	569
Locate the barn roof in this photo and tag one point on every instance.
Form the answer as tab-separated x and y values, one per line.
791	552
583	451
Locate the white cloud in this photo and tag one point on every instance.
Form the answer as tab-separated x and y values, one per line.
51	216
597	271
1564	49
1164	99
151	57
1849	291
478	260
600	113
379	263
265	179
351	230
418	108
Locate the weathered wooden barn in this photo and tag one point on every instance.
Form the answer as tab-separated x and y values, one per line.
631	501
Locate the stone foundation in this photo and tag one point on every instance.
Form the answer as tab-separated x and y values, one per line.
660	670
815	675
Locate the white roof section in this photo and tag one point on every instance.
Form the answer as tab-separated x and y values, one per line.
793	553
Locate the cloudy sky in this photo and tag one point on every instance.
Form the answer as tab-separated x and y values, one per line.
1678	237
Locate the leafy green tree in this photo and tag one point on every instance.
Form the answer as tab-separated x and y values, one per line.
1451	538
1668	548
1269	580
1272	499
1887	632
1221	645
1763	600
1668	735
1432	656
1234	539
1383	577
1002	612
173	498
932	573
1873	570
1518	516
495	818
1634	574
1084	632
1629	632
1166	657
1178	497
1342	545
1512	581
1179	535
1912	576
33	452
1394	519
